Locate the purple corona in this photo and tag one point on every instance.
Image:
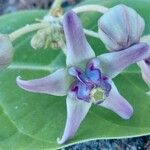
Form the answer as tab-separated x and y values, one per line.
90	85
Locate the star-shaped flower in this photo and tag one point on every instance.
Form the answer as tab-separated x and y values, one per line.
86	80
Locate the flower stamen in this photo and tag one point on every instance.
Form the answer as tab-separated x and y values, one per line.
90	85
97	95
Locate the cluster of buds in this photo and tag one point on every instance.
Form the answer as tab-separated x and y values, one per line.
51	36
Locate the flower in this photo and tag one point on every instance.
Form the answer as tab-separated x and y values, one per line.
6	51
86	80
120	28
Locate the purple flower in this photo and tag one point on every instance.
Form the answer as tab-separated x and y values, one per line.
86	80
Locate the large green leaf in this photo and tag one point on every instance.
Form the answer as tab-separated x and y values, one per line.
34	121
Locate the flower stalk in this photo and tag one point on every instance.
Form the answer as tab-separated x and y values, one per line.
26	29
37	26
56	10
91	33
93	8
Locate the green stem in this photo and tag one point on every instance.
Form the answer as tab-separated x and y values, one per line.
90	7
33	27
91	33
57	3
26	29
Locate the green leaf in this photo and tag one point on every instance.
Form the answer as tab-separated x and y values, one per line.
34	121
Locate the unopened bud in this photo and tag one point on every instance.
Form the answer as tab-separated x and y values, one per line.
120	27
56	38
39	39
6	51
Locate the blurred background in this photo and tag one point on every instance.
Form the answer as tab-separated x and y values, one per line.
8	6
140	143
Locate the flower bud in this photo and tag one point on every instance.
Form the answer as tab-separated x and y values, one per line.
38	40
6	51
120	27
56	38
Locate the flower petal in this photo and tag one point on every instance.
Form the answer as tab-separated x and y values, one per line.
56	83
145	70
78	49
83	91
76	112
117	103
113	63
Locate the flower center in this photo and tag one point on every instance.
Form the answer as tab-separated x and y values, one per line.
97	95
90	85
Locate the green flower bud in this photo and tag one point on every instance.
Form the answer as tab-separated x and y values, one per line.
39	39
56	37
120	27
6	51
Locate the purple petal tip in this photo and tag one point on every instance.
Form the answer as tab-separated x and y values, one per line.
21	83
71	20
128	114
70	15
